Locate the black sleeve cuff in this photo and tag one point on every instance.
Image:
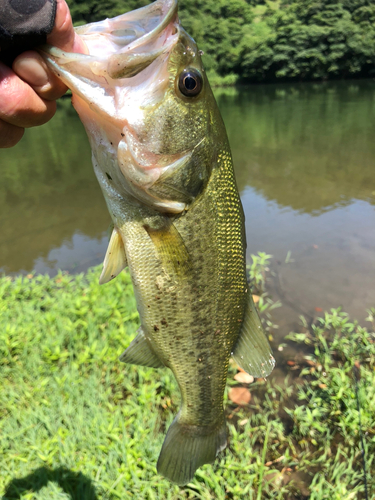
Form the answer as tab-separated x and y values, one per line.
25	24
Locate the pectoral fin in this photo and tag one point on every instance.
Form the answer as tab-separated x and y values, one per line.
252	351
115	258
140	353
170	247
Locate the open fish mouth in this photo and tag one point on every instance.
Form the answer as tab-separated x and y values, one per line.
126	44
123	75
118	48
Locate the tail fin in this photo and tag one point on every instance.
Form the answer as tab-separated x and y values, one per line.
187	447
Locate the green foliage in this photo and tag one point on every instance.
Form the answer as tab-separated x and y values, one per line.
76	423
257	273
89	11
340	369
313	40
264	40
258	269
218	27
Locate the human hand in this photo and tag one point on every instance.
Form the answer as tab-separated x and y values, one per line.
29	89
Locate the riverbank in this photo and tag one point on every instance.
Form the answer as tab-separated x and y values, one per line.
304	159
74	421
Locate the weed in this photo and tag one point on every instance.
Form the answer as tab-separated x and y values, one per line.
76	423
258	270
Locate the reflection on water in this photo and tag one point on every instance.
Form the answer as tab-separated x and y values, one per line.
308	147
305	165
52	212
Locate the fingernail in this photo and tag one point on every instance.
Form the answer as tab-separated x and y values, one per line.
31	69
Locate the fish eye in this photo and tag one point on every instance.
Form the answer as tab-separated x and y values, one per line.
190	82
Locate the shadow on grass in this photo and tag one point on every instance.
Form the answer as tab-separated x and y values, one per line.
77	485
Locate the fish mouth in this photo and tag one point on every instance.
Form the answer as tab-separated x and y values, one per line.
132	41
124	73
136	27
118	48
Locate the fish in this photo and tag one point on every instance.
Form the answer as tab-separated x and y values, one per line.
162	158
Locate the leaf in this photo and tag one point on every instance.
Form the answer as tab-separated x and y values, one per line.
239	395
310	362
256	299
244	378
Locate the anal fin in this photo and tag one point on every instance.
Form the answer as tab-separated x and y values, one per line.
115	258
140	353
252	351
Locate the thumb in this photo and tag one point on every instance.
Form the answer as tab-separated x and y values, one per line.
31	67
63	35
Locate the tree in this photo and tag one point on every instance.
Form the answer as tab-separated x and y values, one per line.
264	40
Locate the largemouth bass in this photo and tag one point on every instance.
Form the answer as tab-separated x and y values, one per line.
162	158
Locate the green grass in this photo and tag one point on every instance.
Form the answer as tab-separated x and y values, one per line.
75	423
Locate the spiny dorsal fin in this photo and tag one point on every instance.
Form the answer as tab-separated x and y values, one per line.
252	351
115	258
140	353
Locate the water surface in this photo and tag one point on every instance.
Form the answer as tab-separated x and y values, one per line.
305	165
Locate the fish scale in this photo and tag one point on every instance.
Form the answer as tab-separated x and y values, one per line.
161	156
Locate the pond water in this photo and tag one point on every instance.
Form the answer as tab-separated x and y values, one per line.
305	164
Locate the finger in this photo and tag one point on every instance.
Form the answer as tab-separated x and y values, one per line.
20	105
9	134
63	35
31	67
